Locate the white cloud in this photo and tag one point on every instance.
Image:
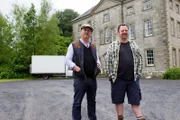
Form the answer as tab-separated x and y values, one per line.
79	6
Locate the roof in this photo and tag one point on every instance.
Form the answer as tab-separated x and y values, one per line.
84	14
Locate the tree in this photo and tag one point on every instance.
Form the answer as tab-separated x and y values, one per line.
29	30
47	34
5	40
65	25
26	43
6	47
63	43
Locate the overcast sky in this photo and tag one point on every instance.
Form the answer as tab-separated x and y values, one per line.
79	6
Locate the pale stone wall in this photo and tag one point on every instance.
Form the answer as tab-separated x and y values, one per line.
161	41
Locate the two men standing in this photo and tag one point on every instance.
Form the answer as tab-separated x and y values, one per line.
123	65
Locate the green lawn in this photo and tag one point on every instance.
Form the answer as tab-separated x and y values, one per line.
13	80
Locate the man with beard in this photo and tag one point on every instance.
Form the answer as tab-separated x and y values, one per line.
123	65
82	58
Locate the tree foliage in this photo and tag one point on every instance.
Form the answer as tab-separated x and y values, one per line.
28	33
65	21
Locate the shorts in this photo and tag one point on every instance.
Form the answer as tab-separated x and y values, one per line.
120	87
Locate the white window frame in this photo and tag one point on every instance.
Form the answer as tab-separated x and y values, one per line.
147	5
172	26
89	22
102	40
106	17
108	35
179	57
79	27
178	29
174	60
148	27
132	31
113	34
130	10
177	8
171	4
150	61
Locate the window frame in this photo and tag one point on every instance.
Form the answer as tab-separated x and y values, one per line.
145	3
178	29
102	39
171	4
89	22
79	27
174	57
172	26
108	35
130	33
177	8
147	59
106	17
130	11
147	29
179	57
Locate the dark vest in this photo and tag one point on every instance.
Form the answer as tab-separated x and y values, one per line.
78	59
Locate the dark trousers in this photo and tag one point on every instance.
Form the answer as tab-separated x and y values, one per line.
80	88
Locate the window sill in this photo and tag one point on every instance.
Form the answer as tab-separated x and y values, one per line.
148	36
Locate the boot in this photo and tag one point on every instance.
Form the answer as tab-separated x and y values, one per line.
120	117
141	118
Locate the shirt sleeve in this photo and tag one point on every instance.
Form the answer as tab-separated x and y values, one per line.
98	61
69	57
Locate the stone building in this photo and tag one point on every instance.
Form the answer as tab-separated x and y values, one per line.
153	24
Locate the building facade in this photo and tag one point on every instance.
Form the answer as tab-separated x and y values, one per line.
153	24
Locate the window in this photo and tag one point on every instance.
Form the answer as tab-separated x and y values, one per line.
147	5
179	57
130	10
101	38
106	17
148	28
79	27
113	35
131	31
172	27
150	57
108	35
89	22
177	8
170	4
178	29
174	57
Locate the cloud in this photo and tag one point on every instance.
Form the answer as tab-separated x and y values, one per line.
79	6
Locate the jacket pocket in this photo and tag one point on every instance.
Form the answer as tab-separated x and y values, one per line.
79	74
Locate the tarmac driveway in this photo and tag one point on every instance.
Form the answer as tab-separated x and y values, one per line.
52	100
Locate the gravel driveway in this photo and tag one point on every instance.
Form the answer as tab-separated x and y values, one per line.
52	100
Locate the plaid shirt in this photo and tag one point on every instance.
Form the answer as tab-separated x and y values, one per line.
112	60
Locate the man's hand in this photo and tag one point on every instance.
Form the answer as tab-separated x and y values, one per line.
76	69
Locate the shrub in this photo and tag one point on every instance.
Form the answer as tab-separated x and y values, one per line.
172	73
12	75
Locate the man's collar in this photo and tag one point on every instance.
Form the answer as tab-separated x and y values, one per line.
85	43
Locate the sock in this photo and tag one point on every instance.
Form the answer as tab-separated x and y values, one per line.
141	118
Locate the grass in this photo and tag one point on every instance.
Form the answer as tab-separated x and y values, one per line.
14	80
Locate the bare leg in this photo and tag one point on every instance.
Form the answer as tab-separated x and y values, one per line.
137	110
119	109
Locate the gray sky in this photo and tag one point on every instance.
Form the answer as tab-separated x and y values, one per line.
79	6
